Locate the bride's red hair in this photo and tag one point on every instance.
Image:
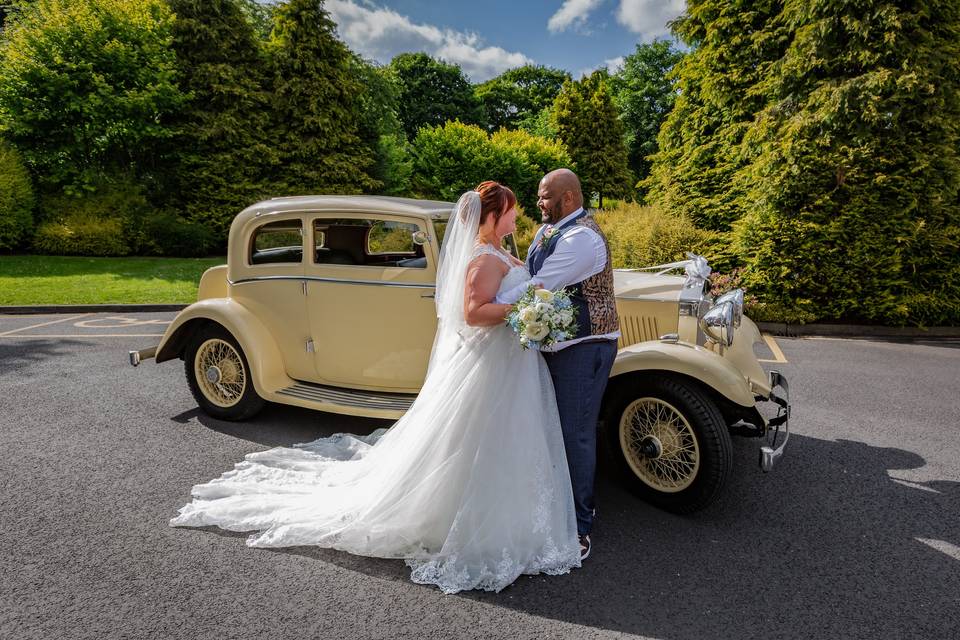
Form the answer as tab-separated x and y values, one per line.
495	199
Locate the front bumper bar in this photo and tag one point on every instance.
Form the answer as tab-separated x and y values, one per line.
771	452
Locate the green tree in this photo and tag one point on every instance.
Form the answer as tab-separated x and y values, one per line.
733	43
381	129
87	88
644	91
518	94
222	150
316	105
852	191
432	92
539	156
16	199
590	128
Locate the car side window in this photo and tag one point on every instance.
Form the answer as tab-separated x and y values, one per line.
277	242
367	243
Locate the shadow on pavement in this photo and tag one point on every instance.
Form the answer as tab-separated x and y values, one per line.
20	354
828	544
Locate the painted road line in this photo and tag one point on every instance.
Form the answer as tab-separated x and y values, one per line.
85	335
779	358
44	324
116	322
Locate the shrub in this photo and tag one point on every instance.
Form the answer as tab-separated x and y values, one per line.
16	199
81	235
538	155
641	236
165	234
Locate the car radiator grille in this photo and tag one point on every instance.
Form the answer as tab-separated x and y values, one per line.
349	397
634	329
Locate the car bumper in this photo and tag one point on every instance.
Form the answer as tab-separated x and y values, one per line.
778	428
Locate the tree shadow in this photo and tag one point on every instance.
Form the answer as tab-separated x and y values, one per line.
18	356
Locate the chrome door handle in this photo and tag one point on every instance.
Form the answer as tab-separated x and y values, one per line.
428	295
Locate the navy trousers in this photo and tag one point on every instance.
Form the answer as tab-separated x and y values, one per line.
580	374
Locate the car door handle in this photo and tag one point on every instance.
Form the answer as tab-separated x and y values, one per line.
428	295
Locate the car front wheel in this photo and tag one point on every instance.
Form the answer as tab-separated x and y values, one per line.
219	376
669	441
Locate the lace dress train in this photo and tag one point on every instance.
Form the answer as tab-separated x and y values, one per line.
470	486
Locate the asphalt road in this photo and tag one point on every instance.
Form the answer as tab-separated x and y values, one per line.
855	535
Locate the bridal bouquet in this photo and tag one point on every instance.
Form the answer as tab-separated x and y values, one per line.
543	317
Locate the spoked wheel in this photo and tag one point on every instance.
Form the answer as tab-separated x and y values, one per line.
219	376
669	440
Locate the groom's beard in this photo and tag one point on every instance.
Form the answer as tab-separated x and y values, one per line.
551	216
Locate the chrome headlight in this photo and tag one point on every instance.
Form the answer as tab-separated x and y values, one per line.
718	325
736	297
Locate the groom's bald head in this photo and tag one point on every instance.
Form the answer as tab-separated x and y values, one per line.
559	195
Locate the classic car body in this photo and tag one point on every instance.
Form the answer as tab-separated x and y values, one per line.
327	302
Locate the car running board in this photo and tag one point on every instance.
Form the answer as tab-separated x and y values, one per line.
349	397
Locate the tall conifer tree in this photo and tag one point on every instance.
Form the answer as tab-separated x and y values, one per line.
223	156
316	105
852	193
590	128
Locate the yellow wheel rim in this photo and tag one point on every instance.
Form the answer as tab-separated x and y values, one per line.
220	373
659	445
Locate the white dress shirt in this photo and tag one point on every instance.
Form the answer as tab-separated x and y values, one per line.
579	254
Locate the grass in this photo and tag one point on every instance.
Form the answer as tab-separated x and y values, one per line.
30	280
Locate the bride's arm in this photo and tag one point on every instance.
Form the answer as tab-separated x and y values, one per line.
483	279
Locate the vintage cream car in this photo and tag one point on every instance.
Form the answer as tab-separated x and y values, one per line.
326	302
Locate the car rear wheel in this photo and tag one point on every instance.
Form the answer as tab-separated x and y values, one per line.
219	376
669	441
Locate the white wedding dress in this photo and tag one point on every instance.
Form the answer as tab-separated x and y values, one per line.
470	486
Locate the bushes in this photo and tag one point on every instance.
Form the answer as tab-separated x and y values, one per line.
83	236
456	157
16	200
644	236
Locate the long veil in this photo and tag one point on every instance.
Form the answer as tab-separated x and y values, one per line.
455	254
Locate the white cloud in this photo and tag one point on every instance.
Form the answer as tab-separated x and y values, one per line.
572	12
614	64
380	33
649	17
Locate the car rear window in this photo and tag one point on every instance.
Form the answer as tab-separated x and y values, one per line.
277	242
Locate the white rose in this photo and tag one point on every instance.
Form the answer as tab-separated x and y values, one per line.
566	316
544	295
543	308
537	330
528	315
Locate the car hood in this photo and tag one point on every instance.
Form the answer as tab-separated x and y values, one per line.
643	285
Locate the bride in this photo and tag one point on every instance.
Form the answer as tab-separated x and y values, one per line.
471	485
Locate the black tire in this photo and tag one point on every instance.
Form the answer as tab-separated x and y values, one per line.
701	434
242	400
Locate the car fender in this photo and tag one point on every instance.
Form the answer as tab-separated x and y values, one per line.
263	356
689	360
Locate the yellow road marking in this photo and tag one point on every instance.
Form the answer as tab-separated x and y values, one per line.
44	324
88	335
779	358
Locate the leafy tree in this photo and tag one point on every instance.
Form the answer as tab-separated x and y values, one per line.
223	153
518	94
733	44
852	189
456	157
16	199
316	106
432	92
87	87
381	129
644	92
540	124
590	129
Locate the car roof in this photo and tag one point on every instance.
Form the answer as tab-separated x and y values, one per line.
435	209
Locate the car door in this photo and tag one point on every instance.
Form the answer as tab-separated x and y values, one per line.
370	298
267	279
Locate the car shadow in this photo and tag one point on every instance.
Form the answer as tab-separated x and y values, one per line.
828	544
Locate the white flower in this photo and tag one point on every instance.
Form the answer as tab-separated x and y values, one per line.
537	331
566	316
528	315
543	308
544	295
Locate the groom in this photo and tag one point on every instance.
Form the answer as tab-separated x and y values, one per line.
571	251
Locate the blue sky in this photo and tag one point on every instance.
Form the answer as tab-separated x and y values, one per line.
487	37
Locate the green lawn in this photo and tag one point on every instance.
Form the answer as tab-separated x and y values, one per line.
28	280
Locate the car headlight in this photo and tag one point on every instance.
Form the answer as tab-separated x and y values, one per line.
718	324
735	297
